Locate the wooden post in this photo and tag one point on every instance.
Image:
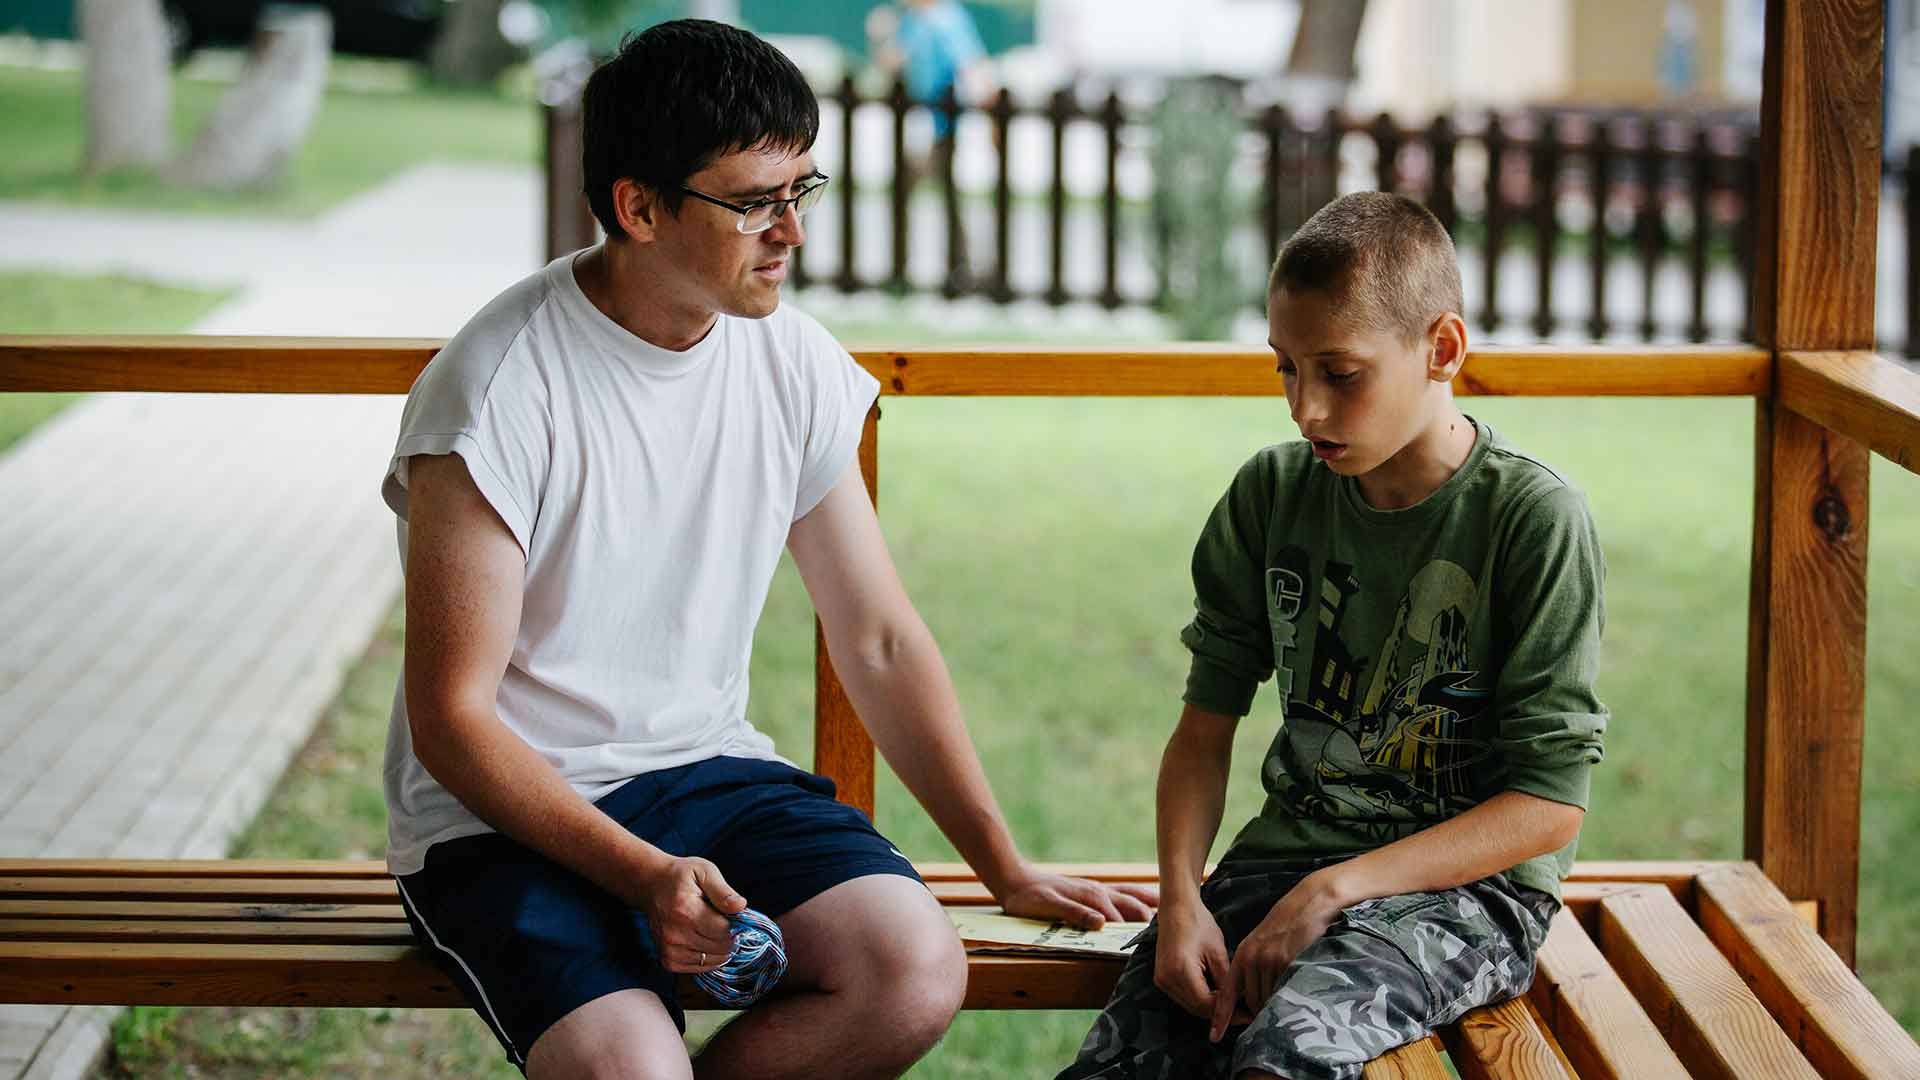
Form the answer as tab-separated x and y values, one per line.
1002	197
848	279
903	185
1495	219
1600	154
1813	289
1060	109
842	749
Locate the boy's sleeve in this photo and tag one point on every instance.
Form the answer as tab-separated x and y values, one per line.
1553	606
1229	636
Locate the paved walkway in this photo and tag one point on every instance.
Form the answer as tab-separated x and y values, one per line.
185	578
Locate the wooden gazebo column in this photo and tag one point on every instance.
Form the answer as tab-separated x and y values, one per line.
1813	290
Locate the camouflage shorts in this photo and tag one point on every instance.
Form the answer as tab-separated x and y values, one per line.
1387	972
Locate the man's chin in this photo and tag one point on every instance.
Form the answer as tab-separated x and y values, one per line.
757	305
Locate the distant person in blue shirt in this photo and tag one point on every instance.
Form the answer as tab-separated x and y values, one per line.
935	48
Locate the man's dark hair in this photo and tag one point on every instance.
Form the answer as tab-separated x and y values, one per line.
681	94
1385	259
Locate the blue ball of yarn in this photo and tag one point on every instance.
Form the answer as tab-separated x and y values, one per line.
758	960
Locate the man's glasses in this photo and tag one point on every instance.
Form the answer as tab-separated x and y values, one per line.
760	216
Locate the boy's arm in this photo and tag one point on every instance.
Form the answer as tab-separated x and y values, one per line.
898	682
1191	954
1507	829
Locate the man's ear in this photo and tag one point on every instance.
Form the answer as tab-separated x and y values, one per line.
1446	347
636	207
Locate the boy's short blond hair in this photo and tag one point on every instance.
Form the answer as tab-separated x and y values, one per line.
1385	259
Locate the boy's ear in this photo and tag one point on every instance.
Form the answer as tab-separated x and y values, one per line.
1446	347
636	207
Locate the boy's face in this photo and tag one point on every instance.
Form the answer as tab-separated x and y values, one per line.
721	268
1360	395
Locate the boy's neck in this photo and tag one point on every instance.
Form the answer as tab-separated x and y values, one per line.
1424	464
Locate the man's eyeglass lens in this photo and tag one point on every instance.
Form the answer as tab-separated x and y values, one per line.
762	216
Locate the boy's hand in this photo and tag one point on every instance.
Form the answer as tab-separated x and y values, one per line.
1078	902
1190	958
1297	921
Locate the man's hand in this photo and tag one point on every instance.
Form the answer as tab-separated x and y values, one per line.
687	904
1077	901
1190	958
1297	921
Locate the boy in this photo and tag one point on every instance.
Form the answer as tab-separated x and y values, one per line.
595	480
1430	599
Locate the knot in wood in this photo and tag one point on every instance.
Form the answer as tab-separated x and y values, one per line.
1832	518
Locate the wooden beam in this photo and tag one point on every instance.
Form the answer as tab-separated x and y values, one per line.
1845	1033
1813	291
1504	1041
1414	1061
210	364
1597	1021
1861	395
842	749
1715	1025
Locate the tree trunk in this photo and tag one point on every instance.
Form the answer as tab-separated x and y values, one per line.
1324	44
262	121
129	83
469	49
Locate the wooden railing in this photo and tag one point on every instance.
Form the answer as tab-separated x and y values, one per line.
1858	396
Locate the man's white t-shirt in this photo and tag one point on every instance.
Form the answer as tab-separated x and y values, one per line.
652	492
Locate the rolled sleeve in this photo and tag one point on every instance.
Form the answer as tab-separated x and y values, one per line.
1230	637
1551	723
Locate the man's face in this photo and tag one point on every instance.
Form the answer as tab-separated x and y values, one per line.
1359	395
723	270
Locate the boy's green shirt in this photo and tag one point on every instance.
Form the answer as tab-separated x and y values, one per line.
1429	658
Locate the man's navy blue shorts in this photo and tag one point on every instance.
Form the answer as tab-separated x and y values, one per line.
529	941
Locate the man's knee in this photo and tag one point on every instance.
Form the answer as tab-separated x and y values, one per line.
625	1034
919	984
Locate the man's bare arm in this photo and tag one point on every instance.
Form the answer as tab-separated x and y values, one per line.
899	684
465	576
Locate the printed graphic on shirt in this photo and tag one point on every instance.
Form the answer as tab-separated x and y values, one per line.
1388	736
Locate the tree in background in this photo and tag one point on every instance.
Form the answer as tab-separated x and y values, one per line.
252	135
129	88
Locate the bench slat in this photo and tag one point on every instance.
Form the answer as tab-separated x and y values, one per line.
1502	1041
1414	1061
203	973
1593	1016
174	909
329	869
1824	1008
1710	1018
136	928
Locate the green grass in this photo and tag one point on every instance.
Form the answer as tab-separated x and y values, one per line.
1045	541
360	137
32	302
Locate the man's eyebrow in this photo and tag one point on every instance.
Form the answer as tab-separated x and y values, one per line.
769	192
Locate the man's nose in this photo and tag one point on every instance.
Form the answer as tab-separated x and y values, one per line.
787	228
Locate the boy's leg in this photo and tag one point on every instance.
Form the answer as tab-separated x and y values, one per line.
1143	1034
1390	971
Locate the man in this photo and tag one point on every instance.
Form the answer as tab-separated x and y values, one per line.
595	480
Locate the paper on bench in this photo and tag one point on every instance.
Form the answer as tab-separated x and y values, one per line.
985	930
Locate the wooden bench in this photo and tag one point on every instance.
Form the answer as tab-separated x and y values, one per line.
1653	970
